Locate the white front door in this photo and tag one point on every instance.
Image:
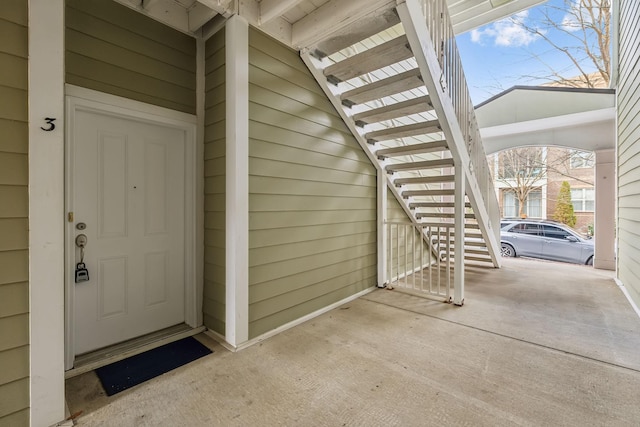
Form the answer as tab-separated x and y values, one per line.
128	189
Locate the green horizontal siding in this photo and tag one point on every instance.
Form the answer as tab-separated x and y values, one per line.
114	49
215	113
312	194
14	211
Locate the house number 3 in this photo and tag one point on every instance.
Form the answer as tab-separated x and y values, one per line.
49	121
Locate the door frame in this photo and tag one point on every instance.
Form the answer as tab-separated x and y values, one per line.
82	99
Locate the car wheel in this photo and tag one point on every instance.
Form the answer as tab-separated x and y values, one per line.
507	250
590	260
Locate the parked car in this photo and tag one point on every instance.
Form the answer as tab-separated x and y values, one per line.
545	239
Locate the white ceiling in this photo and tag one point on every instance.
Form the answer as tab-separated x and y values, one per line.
295	21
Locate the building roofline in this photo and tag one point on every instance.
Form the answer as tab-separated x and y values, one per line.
548	89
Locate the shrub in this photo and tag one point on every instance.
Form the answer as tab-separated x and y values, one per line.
564	208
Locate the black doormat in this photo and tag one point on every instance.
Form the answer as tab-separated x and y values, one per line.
137	369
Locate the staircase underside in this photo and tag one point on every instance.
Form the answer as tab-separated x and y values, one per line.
375	81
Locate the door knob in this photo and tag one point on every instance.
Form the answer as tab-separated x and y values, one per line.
81	240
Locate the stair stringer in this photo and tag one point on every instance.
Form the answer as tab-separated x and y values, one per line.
417	33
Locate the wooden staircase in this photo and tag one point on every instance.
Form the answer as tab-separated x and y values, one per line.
389	86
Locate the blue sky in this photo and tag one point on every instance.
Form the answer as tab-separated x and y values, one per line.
497	56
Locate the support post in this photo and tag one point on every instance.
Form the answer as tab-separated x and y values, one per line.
458	249
46	211
237	181
604	221
382	228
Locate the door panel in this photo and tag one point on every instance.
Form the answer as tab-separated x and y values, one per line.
128	188
526	239
556	247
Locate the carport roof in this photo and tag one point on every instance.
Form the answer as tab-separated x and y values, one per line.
581	118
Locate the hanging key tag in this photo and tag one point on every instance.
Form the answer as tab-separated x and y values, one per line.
82	274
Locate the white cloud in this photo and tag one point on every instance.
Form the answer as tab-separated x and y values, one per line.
506	32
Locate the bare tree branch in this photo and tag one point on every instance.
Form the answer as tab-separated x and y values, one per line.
588	24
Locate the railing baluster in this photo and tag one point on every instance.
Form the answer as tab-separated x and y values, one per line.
430	238
437	19
413	255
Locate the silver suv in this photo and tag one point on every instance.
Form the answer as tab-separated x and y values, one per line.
545	239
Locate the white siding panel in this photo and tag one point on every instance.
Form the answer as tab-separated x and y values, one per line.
629	148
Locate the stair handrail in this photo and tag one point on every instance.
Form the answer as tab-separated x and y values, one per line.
454	84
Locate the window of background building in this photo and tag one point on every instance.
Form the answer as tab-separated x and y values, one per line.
582	159
583	199
532	206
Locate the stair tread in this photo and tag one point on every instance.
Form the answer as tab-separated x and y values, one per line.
473	258
377	57
356	32
439	192
405	150
435	205
438	215
414	129
427	164
421	104
424	180
391	85
471	245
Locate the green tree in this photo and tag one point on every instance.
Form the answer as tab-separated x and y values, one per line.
564	208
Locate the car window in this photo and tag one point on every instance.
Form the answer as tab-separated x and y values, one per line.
524	228
555	232
505	224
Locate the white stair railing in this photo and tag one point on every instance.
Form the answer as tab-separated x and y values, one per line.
430	34
413	265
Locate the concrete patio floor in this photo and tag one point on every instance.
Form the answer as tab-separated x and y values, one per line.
536	343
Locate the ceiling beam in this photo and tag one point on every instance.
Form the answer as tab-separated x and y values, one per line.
169	13
270	9
331	17
199	15
149	4
222	7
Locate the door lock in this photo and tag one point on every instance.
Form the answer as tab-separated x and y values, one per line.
81	241
82	274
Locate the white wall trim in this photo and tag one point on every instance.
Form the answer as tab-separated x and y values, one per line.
627	295
46	210
81	99
382	204
219	338
237	181
150	112
200	125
